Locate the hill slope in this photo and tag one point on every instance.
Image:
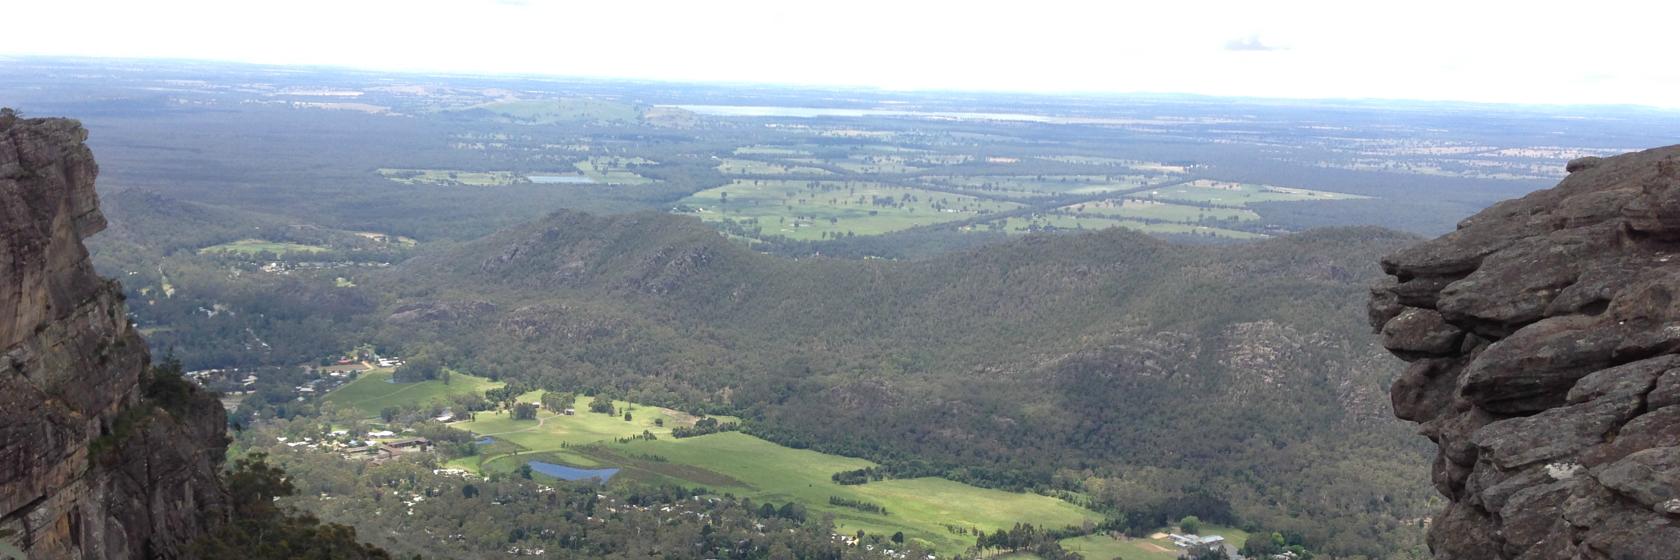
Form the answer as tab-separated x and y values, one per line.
1156	379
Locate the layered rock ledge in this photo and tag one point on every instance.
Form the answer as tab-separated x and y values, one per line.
1544	345
88	469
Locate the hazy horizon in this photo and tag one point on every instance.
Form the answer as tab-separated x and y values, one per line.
1500	52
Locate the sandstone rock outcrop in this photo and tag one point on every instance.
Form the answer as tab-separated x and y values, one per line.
1544	341
88	467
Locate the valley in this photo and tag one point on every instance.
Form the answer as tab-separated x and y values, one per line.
981	325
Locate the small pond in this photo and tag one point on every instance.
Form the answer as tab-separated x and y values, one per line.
564	472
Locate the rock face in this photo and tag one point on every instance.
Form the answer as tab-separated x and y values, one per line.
1544	341
88	467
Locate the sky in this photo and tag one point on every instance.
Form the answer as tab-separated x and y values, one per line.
1532	52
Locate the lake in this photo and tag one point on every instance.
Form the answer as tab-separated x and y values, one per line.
560	179
564	472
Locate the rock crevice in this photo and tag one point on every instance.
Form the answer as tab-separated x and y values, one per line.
1544	341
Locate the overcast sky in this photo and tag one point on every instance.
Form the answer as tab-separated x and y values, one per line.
1598	52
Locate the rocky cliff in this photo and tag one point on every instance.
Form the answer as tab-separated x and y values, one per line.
90	467
1544	341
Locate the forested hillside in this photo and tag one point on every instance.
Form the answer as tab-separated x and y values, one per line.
1153	380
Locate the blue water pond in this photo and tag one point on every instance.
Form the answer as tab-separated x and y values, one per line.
564	472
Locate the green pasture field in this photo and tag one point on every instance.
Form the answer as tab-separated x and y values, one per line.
613	170
877	164
724	462
1157	210
452	177
373	391
1239	194
1141	166
807	210
751	467
1031	186
254	246
732	166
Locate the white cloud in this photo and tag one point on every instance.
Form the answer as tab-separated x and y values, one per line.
1522	52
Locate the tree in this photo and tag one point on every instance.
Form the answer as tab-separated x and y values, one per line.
898	537
524	411
557	402
389	413
469	491
1190	524
525	471
602	404
420	367
260	530
627	416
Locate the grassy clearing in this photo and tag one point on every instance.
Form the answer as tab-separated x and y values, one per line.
820	209
558	435
1135	165
254	246
877	164
732	166
726	462
751	467
452	177
387	238
613	170
1143	209
1032	186
920	507
373	391
1227	193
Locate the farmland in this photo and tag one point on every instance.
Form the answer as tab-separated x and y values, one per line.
451	177
1144	209
733	166
1227	193
751	467
811	210
256	246
1034	186
613	170
374	391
